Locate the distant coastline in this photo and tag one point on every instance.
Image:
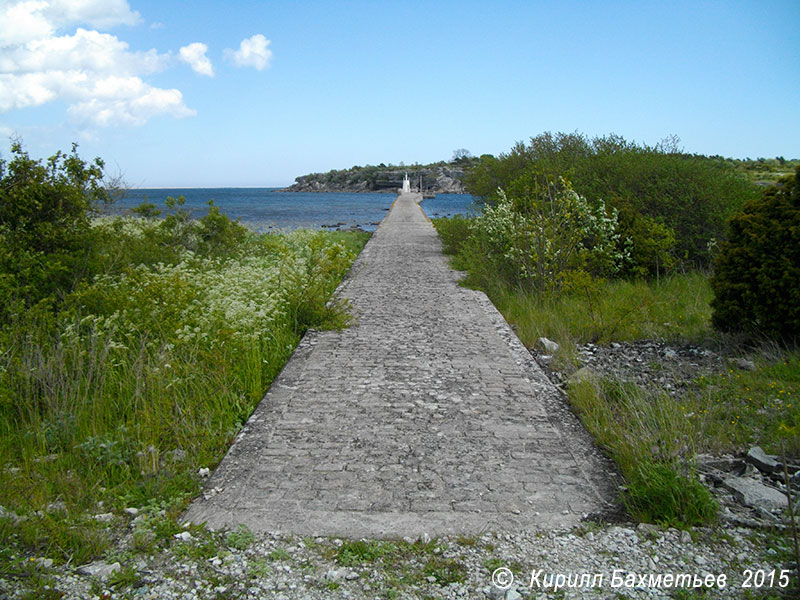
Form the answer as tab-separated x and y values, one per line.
438	178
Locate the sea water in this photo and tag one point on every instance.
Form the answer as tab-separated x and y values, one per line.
265	209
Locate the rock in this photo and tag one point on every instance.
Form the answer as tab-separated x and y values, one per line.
744	364
727	464
581	375
335	574
755	494
204	472
57	507
670	353
131	511
493	593
648	528
177	455
184	536
99	569
549	346
762	461
104	517
44	562
512	594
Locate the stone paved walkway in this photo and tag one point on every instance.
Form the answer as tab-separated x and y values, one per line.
426	417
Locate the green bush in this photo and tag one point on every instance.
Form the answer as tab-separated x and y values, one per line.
541	231
45	216
454	232
756	281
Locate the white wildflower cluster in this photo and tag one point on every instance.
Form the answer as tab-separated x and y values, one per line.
210	301
241	297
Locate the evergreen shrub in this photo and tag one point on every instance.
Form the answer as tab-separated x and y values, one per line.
756	282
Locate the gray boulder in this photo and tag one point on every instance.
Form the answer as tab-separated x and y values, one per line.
755	494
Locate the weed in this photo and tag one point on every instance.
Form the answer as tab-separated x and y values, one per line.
258	568
469	541
445	570
126	577
240	538
657	493
279	554
653	451
357	552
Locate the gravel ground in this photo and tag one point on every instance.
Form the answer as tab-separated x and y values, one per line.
590	561
647	363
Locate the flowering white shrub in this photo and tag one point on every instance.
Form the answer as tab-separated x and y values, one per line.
536	240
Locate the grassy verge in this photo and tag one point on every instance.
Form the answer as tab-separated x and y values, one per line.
146	373
652	436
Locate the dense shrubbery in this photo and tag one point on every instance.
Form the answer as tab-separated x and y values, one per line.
157	342
671	205
538	236
756	281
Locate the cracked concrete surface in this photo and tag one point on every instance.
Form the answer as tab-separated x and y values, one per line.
428	416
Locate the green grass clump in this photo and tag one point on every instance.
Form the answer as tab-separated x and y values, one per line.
653	445
357	552
403	563
445	570
658	493
240	538
674	308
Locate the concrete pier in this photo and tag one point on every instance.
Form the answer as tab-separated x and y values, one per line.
427	416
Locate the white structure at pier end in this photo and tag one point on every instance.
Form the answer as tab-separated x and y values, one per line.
406	184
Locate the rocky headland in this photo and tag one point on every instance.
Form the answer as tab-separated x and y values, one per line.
438	179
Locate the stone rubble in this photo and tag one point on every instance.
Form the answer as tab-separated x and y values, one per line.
280	566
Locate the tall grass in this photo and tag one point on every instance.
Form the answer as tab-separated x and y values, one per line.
146	374
676	307
647	436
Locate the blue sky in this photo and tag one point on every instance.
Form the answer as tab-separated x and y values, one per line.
208	93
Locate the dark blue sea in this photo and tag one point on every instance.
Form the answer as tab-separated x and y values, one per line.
265	209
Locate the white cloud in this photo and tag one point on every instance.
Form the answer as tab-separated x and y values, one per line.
28	20
95	73
87	51
252	52
97	13
127	101
195	56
